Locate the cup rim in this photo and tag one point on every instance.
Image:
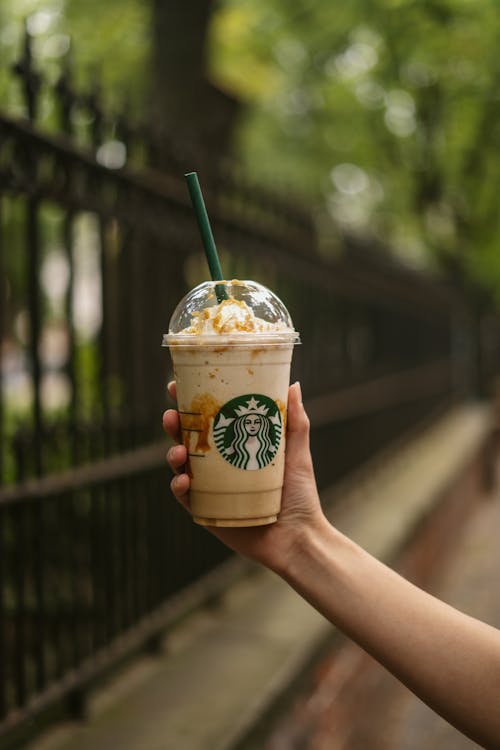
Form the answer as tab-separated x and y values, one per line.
262	339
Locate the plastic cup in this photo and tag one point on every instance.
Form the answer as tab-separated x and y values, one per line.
232	391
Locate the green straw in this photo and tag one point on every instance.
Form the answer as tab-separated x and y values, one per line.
206	233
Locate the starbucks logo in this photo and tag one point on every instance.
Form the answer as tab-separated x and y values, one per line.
247	431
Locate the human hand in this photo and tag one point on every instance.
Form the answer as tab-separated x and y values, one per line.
274	544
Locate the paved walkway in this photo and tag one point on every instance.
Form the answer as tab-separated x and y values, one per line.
222	669
469	582
388	716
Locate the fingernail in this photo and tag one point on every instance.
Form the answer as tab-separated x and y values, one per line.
299	390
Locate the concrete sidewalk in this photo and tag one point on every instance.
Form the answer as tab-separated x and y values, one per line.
221	671
469	581
375	711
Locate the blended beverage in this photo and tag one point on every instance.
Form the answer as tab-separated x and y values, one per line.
231	344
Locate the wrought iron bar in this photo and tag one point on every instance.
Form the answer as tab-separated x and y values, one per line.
33	287
39	573
3	353
4	546
31	80
20	649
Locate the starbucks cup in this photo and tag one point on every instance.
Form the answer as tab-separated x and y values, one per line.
231	344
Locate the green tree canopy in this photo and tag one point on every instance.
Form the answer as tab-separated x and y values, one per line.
387	112
383	113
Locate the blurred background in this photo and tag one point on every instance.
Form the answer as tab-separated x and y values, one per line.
349	155
382	115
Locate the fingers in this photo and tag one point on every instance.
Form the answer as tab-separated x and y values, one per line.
177	454
176	458
172	424
171	419
297	419
297	446
180	488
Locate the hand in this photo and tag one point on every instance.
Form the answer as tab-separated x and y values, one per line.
272	545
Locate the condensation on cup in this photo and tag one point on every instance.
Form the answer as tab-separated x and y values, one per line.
231	363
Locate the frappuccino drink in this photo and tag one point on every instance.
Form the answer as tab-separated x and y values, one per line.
231	344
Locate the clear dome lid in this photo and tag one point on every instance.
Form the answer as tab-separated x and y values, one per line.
230	310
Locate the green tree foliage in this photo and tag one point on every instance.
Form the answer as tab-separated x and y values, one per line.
386	110
107	42
384	113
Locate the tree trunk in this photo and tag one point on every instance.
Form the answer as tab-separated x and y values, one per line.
187	109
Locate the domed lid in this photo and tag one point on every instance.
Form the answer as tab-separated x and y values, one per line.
246	308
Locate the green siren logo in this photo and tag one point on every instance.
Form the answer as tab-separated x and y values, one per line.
247	431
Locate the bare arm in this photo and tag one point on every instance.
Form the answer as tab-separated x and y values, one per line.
451	661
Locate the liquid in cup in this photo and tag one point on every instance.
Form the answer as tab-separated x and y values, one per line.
232	366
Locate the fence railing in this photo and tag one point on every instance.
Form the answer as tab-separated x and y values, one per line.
96	248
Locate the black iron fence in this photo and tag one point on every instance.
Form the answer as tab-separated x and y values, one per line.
96	248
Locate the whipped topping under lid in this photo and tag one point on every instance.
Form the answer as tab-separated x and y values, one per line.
230	316
249	309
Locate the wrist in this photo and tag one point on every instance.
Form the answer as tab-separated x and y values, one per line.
326	568
315	537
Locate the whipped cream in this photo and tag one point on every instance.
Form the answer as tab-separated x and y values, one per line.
230	316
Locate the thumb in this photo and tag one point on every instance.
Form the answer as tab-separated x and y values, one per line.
297	446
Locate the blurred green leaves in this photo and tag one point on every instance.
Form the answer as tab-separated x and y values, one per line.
107	41
383	113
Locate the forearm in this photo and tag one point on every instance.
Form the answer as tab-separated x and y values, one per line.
450	660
